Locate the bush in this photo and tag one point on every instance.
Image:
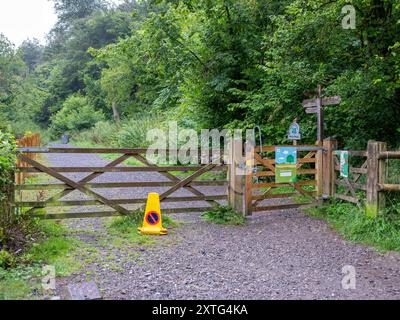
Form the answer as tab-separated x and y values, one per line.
77	114
7	166
103	133
133	132
7	260
224	215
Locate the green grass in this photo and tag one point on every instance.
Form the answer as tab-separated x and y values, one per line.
383	233
20	283
55	248
224	215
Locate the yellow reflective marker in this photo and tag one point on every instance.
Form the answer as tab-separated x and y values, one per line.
152	224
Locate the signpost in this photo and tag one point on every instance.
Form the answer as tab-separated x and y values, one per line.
316	106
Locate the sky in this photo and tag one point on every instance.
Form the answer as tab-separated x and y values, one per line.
22	19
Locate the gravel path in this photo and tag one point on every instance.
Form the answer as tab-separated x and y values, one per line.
278	255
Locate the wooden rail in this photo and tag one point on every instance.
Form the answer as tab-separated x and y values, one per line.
389	155
89	188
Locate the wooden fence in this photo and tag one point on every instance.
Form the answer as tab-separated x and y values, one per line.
366	185
28	141
318	164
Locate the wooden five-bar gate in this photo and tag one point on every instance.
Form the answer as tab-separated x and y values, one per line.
89	187
253	185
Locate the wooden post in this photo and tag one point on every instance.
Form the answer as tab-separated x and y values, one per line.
376	174
248	190
236	191
319	168
328	168
320	115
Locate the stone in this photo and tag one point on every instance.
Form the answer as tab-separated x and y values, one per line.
84	291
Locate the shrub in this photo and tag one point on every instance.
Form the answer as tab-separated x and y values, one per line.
103	133
7	260
133	132
7	166
77	114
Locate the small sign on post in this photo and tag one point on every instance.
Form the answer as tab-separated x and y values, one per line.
294	132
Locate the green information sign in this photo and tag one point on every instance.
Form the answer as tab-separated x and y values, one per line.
343	163
285	173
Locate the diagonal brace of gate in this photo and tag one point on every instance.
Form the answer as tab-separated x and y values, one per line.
87	179
73	184
173	178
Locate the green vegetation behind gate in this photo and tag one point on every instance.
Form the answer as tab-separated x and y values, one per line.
216	64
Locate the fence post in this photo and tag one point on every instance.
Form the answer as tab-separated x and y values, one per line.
376	174
248	205
236	183
328	167
319	168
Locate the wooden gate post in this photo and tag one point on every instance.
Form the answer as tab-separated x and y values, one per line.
376	174
328	168
248	190
236	178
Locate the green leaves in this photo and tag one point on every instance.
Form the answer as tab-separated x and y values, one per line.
77	114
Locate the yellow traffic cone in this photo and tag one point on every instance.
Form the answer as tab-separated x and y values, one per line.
152	224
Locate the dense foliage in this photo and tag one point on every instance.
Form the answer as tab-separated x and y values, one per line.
7	158
7	165
210	64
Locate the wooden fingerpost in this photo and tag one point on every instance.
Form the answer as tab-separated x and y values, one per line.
236	192
376	175
328	168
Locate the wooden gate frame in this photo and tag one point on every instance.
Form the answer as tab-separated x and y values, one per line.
83	185
249	203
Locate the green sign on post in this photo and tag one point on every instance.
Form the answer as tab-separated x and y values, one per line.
343	163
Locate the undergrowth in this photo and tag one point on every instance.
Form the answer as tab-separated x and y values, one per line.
224	215
383	233
21	274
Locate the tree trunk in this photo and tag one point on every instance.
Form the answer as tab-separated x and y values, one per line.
117	117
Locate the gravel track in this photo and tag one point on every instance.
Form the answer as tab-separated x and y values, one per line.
277	255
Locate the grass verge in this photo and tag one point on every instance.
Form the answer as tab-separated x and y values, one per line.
383	233
20	275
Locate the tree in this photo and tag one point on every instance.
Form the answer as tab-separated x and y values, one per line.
68	11
32	53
